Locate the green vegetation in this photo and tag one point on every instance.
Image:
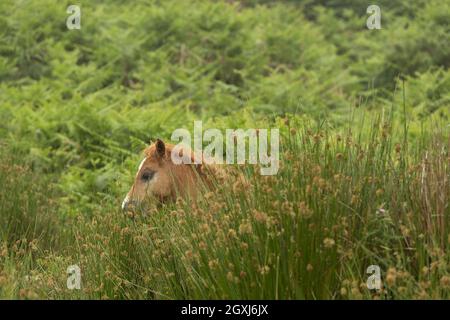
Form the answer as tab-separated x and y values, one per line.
365	164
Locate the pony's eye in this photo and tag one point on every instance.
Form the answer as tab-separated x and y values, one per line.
147	175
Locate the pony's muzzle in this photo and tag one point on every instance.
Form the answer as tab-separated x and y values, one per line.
129	205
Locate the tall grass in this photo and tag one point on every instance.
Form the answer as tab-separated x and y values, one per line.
340	203
29	221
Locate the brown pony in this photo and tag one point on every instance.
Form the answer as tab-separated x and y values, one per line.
160	179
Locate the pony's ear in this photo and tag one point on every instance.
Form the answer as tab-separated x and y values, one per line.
160	148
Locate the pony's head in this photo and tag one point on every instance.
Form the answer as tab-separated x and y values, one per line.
159	179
